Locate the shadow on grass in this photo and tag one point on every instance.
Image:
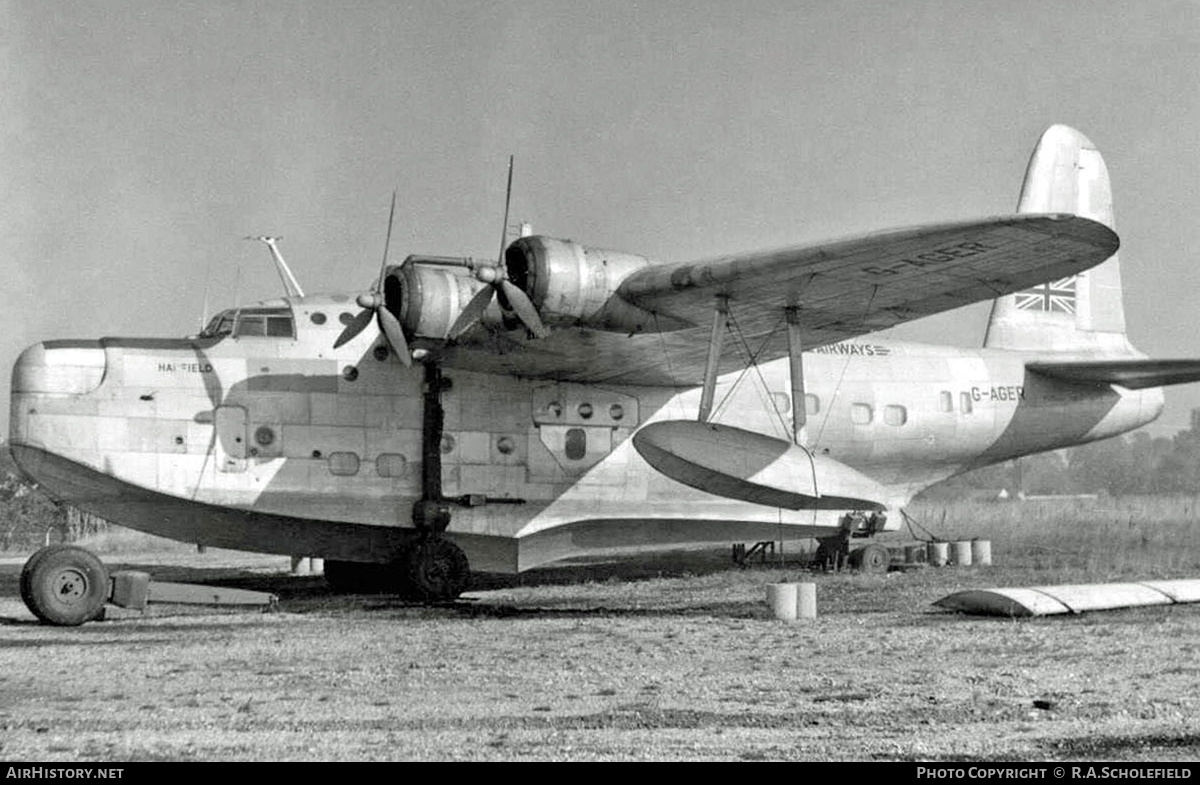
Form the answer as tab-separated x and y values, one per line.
1112	747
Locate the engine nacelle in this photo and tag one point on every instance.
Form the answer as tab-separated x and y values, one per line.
426	299
573	284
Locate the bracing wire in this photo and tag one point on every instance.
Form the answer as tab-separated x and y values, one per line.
752	357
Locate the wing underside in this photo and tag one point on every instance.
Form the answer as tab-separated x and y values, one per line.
841	289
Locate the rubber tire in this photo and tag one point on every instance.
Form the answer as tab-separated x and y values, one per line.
437	569
872	559
64	585
27	572
352	577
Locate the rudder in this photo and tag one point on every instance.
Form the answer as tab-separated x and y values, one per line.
1066	174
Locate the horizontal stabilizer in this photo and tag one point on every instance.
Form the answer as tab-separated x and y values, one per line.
1131	374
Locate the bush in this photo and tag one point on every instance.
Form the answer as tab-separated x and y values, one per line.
28	518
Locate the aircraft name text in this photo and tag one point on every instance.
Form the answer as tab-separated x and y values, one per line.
184	368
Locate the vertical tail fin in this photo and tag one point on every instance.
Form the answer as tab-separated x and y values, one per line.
1066	174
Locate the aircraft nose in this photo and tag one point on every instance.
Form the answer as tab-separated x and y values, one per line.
59	367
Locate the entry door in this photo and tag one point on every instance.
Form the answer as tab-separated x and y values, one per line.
231	439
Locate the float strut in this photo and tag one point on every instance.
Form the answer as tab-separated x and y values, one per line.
720	319
796	366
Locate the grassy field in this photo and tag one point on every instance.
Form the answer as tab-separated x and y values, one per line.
660	657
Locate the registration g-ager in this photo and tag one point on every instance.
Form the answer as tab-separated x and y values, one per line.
563	399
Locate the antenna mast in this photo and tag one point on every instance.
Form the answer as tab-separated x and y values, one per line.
290	287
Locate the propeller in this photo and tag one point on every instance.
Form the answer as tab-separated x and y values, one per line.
375	301
497	279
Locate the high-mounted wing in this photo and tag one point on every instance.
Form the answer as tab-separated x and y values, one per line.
841	289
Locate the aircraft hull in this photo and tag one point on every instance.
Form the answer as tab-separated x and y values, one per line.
240	529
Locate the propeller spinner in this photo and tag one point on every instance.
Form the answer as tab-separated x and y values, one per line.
497	279
375	301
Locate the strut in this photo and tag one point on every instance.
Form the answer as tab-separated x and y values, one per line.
796	369
431	513
720	320
795	365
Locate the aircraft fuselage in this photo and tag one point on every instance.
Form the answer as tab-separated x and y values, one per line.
266	443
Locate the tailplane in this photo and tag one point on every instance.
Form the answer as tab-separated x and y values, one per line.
1084	312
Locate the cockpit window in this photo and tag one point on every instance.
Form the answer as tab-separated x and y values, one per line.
249	325
252	322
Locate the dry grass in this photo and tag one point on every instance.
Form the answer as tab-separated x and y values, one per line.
1108	538
667	657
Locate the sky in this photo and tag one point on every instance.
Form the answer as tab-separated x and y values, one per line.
141	141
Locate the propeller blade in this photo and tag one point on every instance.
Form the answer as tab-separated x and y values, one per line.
472	313
523	306
395	335
360	322
507	200
386	244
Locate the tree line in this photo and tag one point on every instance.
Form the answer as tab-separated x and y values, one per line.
1132	465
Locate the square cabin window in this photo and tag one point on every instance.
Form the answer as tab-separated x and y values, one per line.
947	401
250	325
895	415
812	404
343	464
861	414
964	402
280	327
390	464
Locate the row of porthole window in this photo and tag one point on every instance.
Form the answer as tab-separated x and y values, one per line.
347	464
864	413
390	464
350	373
964	402
860	413
586	411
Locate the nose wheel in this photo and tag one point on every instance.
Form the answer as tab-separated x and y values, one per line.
64	585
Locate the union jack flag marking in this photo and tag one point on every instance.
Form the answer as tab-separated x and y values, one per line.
1054	296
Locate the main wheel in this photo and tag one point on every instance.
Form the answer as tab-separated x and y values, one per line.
437	569
64	585
872	558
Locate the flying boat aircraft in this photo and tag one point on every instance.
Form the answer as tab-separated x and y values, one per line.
563	399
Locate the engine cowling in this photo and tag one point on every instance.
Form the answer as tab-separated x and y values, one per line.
573	284
427	298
